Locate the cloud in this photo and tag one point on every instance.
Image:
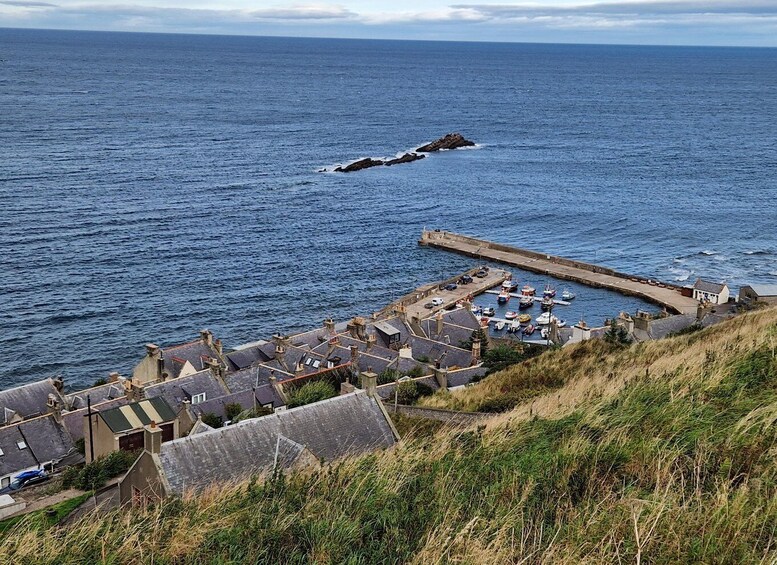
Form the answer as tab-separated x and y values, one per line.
645	8
26	4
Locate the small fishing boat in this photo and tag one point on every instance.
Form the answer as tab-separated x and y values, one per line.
549	291
526	302
524	319
484	322
489	311
543	319
477	310
528	290
560	323
567	295
503	297
528	330
546	304
515	327
511	315
510	285
499	326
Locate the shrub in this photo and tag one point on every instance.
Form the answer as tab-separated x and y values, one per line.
409	392
388	376
95	474
257	412
480	334
416	371
502	356
617	334
233	410
212	420
311	392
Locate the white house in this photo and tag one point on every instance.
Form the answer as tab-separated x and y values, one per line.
710	292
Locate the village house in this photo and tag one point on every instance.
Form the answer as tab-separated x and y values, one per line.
310	435
766	293
710	292
28	401
37	443
179	360
121	428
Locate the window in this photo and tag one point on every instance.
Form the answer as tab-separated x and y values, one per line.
316	364
308	361
197	398
21	444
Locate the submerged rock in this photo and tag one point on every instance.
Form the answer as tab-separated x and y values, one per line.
359	165
450	141
406	158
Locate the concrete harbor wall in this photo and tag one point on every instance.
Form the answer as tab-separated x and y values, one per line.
669	296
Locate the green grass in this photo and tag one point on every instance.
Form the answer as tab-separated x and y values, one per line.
44	518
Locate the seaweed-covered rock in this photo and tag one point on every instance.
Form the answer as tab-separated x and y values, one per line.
450	141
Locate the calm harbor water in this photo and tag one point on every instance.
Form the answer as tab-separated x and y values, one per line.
152	185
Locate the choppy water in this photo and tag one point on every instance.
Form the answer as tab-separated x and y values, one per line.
152	185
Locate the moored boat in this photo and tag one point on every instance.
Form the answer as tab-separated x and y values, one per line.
567	295
546	304
514	327
528	330
509	285
526	302
484	322
503	297
528	290
511	315
549	291
499	326
489	311
524	319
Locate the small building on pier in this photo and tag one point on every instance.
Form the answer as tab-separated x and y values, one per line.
710	292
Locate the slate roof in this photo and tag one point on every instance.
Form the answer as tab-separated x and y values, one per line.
330	429
311	362
464	376
200	427
264	395
310	338
710	287
193	352
244	358
455	334
26	400
126	418
97	394
45	440
764	290
246	379
391	325
461	317
449	355
176	391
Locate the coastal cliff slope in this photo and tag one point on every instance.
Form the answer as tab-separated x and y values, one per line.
660	452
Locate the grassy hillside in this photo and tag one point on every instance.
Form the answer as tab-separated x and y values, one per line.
656	453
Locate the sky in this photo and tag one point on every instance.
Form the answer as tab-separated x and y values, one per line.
650	22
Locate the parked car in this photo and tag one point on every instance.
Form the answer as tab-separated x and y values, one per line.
437	301
466	279
481	274
451	286
25	479
429	305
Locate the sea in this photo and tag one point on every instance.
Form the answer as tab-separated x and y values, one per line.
153	185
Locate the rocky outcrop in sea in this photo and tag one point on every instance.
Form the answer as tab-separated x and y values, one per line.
449	141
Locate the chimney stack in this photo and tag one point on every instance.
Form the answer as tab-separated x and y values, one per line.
475	351
329	324
152	349
113	377
54	407
370	383
355	355
219	347
215	367
152	438
372	339
361	327
438	319
206	336
441	376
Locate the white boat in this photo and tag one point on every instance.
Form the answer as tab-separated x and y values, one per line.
511	315
514	327
503	297
567	295
528	290
543	319
561	323
499	326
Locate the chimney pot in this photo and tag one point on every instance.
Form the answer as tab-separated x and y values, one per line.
206	336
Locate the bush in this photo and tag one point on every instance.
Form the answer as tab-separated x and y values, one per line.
388	376
232	411
311	392
257	412
416	371
212	420
502	356
480	334
617	334
95	474
409	392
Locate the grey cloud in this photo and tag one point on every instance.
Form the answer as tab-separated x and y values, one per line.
206	16
628	9
26	4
